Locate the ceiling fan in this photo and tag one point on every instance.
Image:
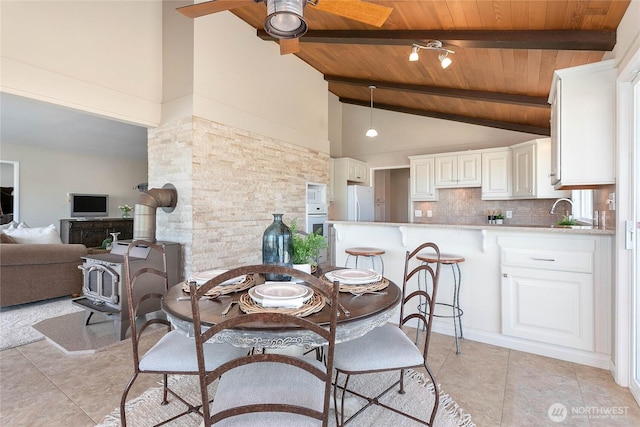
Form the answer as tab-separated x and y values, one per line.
285	18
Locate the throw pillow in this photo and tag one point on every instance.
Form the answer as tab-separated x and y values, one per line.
36	235
8	225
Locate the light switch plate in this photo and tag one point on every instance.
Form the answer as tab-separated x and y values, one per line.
417	213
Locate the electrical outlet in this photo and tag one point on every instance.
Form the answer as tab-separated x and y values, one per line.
612	201
417	213
509	214
429	214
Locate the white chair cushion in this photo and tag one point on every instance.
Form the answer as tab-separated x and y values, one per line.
269	382
177	352
384	348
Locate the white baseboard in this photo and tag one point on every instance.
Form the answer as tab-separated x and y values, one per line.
597	360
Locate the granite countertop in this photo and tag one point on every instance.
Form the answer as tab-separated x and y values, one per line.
575	229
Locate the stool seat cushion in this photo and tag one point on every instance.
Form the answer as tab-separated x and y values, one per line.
444	258
363	251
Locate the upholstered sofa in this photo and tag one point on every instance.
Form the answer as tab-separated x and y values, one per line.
34	272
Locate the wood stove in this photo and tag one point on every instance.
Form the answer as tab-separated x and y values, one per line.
103	286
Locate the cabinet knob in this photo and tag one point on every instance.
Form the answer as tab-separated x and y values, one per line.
505	275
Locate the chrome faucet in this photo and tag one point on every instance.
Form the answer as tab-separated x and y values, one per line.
553	207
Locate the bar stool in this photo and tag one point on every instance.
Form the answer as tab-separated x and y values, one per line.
371	253
456	312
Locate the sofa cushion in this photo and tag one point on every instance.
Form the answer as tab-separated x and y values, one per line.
36	235
4	238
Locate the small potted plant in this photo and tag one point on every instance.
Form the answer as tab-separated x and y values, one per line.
306	248
499	218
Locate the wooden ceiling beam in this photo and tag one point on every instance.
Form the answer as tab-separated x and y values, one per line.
591	40
475	95
517	127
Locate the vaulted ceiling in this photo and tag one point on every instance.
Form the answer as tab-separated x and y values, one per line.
505	55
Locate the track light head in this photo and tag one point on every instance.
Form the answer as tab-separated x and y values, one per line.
414	53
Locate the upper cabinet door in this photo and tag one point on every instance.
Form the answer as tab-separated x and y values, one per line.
422	179
496	174
460	170
583	105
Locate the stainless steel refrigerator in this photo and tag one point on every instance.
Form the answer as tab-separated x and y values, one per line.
360	203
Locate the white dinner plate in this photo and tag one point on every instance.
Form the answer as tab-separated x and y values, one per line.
201	277
284	294
353	276
282	290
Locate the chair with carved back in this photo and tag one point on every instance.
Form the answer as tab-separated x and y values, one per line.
270	387
388	348
174	353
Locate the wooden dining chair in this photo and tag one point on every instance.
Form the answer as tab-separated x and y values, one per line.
269	388
175	352
388	348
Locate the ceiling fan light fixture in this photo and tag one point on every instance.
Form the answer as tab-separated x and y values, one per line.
285	19
372	132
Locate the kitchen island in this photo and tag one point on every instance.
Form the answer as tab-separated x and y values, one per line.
543	290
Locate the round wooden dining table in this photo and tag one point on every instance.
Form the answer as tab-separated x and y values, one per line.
366	311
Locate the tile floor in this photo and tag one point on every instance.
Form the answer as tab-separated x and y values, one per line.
40	385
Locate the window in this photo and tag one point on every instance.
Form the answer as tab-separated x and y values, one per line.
582	205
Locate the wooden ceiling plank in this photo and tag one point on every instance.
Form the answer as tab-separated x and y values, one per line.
556	12
507	98
209	7
601	40
534	59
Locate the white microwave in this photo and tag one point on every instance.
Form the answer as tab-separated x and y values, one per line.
315	196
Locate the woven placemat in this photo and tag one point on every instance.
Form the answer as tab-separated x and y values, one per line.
312	305
248	282
360	289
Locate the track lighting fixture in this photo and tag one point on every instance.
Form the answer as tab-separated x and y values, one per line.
443	57
371	132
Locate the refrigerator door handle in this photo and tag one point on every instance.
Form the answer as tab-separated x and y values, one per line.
357	210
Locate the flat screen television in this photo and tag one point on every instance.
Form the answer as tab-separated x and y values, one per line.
89	205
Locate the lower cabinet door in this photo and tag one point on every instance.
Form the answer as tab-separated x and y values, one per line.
554	307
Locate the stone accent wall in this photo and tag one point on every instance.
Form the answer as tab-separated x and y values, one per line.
229	183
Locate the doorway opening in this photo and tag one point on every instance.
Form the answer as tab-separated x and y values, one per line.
391	194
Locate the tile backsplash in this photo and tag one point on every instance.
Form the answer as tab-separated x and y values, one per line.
465	206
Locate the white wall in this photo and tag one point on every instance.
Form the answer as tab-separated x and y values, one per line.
401	135
244	82
46	176
103	57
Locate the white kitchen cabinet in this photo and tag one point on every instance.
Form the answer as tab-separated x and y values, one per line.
351	170
357	171
422	178
583	105
548	291
496	174
458	170
531	171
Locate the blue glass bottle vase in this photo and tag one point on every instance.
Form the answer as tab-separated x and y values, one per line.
277	247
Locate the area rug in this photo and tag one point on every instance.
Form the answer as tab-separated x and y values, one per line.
16	322
146	410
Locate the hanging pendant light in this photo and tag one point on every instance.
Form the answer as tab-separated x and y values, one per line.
371	132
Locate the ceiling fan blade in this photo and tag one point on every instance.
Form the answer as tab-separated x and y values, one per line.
213	6
289	46
357	10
